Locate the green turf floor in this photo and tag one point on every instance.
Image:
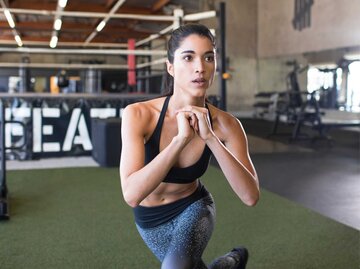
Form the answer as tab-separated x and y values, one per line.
76	218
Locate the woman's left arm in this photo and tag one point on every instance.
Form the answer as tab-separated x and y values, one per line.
229	145
233	157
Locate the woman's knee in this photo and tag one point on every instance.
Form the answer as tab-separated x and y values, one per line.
179	262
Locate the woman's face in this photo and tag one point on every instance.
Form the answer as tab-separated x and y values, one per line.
194	65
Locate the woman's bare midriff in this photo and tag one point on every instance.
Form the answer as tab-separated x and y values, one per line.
167	193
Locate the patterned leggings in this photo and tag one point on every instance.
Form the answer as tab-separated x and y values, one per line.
180	242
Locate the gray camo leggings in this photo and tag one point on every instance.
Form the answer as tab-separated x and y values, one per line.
180	242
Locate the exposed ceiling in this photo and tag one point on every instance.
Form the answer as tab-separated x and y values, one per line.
34	21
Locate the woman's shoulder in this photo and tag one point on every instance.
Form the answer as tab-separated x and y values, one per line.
224	121
143	110
222	116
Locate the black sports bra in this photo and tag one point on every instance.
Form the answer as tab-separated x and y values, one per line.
180	175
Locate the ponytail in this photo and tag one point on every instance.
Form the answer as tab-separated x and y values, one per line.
168	85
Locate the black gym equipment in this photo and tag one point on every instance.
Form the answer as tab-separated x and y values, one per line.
310	115
301	108
4	206
62	79
290	102
282	106
4	201
304	109
106	140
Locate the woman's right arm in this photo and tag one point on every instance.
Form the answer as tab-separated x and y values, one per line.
137	180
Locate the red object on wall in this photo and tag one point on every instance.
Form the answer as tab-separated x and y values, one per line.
131	64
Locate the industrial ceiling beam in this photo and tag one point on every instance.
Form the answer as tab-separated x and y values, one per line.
85	51
9	40
82	14
104	20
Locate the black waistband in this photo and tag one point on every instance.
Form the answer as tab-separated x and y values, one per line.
148	217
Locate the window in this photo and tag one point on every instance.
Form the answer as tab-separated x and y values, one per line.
14	84
326	82
321	79
353	87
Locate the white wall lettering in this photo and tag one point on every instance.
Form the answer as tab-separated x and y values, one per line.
77	132
77	122
49	130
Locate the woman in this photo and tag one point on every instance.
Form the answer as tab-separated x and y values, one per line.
166	147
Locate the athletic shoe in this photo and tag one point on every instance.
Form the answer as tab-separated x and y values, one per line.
241	255
235	259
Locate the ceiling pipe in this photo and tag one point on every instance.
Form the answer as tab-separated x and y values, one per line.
155	36
102	24
189	17
85	51
65	66
200	16
11	23
91	14
155	62
80	66
177	15
67	44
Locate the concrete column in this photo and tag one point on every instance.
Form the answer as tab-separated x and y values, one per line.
92	81
24	74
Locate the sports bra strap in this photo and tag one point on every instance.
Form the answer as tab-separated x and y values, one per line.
159	124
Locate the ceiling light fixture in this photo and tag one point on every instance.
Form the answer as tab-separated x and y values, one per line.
18	40
53	41
101	26
62	3
9	18
57	24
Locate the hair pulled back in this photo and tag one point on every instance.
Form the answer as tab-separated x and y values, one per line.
177	36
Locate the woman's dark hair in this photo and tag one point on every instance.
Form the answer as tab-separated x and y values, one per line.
177	36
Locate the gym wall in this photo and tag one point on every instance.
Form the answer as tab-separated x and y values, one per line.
261	39
241	51
333	25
